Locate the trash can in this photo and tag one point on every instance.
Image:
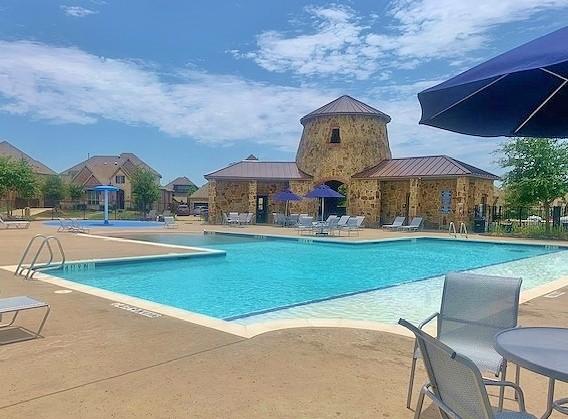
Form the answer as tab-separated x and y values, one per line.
27	212
479	225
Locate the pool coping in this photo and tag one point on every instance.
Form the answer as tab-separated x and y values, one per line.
252	330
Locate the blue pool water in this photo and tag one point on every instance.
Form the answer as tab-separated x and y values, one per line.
260	275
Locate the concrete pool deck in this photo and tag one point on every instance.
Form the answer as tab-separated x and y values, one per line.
99	361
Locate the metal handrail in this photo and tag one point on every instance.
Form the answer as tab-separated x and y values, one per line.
452	229
20	267
463	229
45	241
31	272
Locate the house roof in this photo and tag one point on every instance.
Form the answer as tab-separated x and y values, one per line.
346	105
261	170
103	168
8	150
182	180
201	193
423	166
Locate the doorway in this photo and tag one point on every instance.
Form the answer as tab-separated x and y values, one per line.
261	209
336	206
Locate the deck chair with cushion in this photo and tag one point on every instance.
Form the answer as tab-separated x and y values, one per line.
455	385
15	305
14	224
414	225
474	309
397	223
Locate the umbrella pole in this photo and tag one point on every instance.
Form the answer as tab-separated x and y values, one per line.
322	207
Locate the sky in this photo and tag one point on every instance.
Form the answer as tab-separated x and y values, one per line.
193	86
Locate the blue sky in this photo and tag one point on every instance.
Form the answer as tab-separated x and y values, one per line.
192	86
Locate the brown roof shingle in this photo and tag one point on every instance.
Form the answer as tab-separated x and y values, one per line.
8	150
261	170
423	166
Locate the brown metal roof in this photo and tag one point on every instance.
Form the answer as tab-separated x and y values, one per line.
423	166
182	180
346	105
261	170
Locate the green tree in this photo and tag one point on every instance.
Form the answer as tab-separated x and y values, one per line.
191	189
53	189
17	179
74	191
537	171
145	189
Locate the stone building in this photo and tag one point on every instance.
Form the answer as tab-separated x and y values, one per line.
345	145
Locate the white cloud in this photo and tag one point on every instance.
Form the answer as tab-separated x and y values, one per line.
67	85
342	43
77	11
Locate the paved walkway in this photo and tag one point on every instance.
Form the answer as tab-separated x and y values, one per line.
98	361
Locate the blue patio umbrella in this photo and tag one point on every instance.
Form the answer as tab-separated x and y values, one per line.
286	196
522	92
323	191
106	189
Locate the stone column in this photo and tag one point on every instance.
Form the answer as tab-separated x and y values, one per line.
462	204
364	198
301	188
214	214
414	197
252	188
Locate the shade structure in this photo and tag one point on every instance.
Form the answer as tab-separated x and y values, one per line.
323	191
286	196
522	92
106	189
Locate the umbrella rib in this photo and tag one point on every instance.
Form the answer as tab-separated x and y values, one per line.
470	95
565	80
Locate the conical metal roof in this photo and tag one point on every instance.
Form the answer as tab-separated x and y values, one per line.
346	105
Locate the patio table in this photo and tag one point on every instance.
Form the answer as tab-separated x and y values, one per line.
543	350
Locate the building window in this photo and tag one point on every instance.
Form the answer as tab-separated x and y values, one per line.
92	198
335	137
119	179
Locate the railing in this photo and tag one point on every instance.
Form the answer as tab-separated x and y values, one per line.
31	269
452	229
453	232
463	230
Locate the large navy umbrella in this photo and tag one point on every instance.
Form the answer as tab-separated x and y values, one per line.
323	191
286	196
522	92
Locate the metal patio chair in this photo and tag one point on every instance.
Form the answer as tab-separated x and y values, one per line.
455	384
474	309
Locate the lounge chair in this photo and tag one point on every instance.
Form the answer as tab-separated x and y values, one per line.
474	309
170	222
414	225
455	384
22	303
76	226
396	224
305	224
342	223
245	218
330	224
354	224
293	220
14	224
65	225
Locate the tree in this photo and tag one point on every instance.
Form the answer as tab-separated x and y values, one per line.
538	171
74	191
17	179
53	189
191	189
145	189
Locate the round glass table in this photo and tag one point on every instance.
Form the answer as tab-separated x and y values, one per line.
543	350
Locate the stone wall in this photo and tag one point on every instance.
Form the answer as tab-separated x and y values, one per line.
431	202
364	143
227	196
479	189
364	198
306	206
393	199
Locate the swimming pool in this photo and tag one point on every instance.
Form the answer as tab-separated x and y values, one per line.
111	224
263	278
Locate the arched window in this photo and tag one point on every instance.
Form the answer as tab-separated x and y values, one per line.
335	137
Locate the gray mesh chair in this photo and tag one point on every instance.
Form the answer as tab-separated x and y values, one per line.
455	384
474	309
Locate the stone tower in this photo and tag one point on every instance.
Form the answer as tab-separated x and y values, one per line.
341	139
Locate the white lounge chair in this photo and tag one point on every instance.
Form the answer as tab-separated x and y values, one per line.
65	225
14	224
414	225
170	222
396	224
22	303
354	224
233	218
342	223
305	224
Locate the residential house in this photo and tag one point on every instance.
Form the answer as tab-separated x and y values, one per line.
181	188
